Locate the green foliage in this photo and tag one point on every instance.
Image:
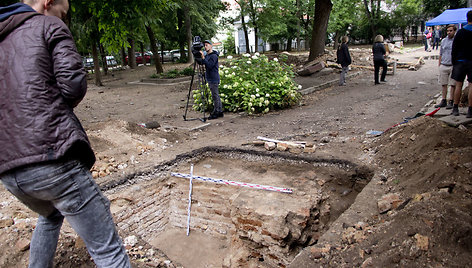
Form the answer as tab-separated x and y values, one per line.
255	84
174	73
229	44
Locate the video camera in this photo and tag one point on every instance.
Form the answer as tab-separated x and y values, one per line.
197	46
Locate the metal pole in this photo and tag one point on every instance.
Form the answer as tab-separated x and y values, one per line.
189	199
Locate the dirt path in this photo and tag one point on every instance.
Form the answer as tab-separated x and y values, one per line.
335	119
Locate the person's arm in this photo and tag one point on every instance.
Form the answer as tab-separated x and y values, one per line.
347	55
210	60
455	47
70	76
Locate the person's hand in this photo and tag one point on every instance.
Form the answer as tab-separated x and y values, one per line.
203	56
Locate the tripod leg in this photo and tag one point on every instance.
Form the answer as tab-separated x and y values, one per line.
190	90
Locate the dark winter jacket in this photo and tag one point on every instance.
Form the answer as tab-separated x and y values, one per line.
211	64
345	59
461	50
379	51
42	79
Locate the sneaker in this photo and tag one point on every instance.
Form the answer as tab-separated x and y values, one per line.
443	103
450	104
213	116
455	111
469	113
383	81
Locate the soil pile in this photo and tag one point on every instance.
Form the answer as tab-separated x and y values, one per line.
427	166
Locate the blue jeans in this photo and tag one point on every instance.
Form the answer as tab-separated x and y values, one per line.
342	77
66	189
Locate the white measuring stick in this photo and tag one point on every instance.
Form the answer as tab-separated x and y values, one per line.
189	199
234	183
278	141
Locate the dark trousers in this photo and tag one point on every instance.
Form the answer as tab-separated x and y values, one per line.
436	43
377	65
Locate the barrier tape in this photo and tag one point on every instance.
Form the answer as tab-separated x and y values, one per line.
234	183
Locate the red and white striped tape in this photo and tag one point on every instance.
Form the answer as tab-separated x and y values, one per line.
234	183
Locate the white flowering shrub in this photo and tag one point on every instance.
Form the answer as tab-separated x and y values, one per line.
254	84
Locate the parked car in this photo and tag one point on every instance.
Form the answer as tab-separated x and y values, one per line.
87	62
176	54
139	58
111	62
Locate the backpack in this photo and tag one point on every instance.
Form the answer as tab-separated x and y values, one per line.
339	55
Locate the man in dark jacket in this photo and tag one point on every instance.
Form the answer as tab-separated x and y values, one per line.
213	78
462	64
46	155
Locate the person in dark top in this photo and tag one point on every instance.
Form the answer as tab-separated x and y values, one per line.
436	37
344	58
462	64
213	78
46	155
379	59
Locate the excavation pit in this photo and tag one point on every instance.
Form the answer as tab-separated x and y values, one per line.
233	226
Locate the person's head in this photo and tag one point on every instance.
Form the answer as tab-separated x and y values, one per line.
469	17
379	39
437	27
344	39
451	30
58	8
208	45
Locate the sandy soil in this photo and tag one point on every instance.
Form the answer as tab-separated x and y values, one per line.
422	159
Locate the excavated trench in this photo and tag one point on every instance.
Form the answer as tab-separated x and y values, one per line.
233	226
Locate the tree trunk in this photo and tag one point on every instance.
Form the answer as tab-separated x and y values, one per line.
131	55
246	36
188	30
370	17
254	25
336	41
298	25
96	65
320	25
142	52
123	56
289	44
155	52
104	60
182	35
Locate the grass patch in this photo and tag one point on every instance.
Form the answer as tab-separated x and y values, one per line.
174	73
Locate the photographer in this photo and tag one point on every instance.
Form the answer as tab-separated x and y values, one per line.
213	78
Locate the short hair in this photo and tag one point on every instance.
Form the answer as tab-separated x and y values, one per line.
453	27
469	16
379	38
344	39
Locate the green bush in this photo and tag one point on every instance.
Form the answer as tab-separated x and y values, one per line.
254	84
187	71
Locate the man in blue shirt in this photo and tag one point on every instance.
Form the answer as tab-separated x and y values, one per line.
213	78
462	63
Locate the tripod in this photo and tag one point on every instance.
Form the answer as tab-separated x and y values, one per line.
200	85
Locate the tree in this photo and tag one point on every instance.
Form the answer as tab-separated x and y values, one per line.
343	15
320	25
372	12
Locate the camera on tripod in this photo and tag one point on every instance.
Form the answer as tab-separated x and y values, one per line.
197	46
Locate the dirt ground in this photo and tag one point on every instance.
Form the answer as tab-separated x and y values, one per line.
426	164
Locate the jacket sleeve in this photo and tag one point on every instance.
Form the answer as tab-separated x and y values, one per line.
68	70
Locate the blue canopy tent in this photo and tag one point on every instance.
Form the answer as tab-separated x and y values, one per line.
450	16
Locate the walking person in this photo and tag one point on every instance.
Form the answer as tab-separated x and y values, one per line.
425	39
436	37
379	52
213	78
343	58
46	155
462	64
445	68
